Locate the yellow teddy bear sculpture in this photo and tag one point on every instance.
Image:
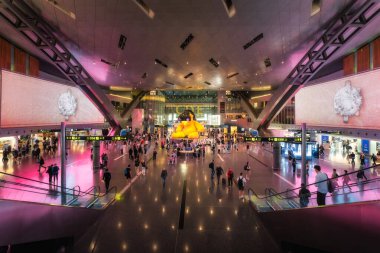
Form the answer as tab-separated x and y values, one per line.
188	127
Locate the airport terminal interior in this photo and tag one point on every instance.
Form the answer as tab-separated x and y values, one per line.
183	126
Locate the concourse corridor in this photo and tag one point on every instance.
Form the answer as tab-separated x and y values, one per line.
147	217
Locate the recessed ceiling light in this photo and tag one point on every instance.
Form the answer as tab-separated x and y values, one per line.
282	62
187	63
125	63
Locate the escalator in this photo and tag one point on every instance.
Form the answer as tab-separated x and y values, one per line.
32	211
352	225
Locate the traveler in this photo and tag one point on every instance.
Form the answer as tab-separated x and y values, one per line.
50	172
219	172
130	152
240	184
55	173
374	159
352	158
127	172
154	154
41	163
361	174
346	179
334	178
246	167
107	179
304	195
321	183
143	167
362	159
294	164
164	174
212	168
230	176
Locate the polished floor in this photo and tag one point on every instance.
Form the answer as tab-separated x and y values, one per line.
147	217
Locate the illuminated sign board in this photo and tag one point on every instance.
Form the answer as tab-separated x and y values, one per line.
96	138
275	139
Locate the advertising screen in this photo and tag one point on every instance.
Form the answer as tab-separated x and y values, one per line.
351	102
27	102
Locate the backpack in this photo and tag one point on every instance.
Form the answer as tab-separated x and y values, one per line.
240	182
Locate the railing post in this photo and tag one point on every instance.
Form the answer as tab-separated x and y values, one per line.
303	153
63	161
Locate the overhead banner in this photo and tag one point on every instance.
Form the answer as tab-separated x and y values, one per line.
31	102
350	102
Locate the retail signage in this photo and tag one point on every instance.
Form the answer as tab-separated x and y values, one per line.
325	139
365	146
275	139
96	138
349	102
31	102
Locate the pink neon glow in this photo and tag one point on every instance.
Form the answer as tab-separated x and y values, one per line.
315	104
28	101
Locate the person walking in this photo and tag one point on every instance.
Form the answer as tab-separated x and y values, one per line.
304	195
294	164
127	172
361	174
212	168
154	154
164	174
130	152
219	172
143	168
246	167
41	163
346	180
55	173
374	159
334	179
107	179
49	171
321	183
230	176
240	184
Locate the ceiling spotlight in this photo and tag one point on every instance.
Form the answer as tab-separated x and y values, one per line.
125	63
282	62
187	63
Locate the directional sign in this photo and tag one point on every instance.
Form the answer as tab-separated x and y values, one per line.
96	138
275	139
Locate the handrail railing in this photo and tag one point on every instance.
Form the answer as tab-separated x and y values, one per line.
37	181
297	188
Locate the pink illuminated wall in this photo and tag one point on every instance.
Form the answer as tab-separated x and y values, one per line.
137	118
314	105
28	101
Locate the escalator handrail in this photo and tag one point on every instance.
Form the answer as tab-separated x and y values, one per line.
297	188
37	181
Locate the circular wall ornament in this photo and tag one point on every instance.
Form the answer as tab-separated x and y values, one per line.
67	104
347	101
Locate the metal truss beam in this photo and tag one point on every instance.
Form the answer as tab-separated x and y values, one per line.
39	33
128	111
247	105
343	28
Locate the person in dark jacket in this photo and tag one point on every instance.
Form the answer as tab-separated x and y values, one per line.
50	172
164	174
304	195
41	163
219	172
127	172
107	179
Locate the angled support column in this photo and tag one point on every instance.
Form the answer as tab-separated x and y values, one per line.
247	106
39	33
127	112
353	19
